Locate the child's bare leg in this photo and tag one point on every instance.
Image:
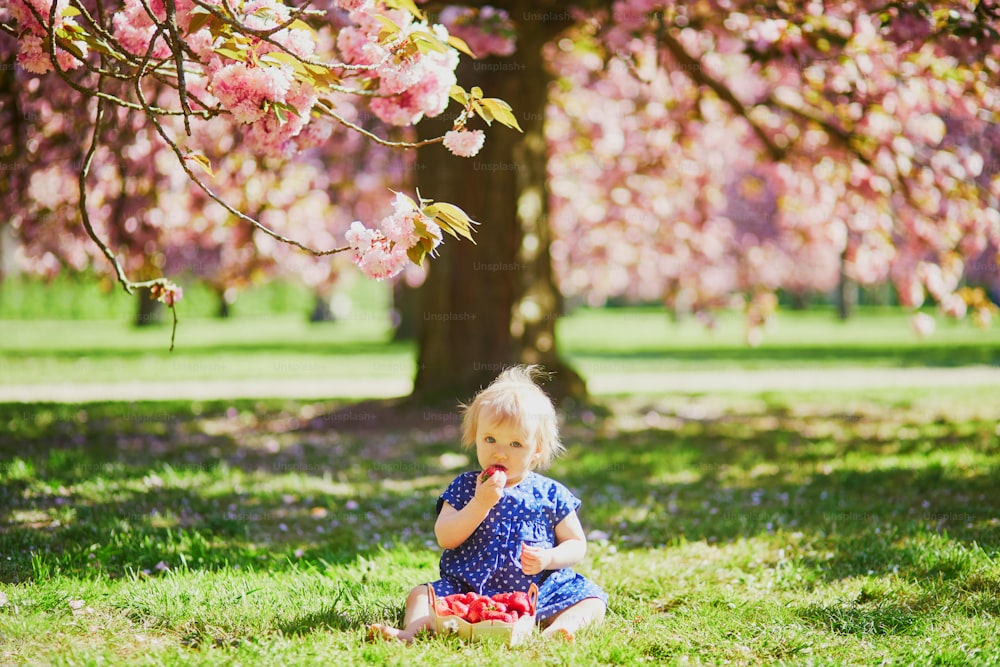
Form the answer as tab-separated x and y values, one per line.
565	624
417	618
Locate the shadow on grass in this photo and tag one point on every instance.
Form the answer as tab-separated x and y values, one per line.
886	619
99	491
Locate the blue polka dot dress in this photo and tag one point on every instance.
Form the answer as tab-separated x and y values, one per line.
489	561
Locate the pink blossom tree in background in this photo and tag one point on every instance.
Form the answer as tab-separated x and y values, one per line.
262	77
706	154
783	147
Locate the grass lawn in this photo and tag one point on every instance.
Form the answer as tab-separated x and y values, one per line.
599	342
820	529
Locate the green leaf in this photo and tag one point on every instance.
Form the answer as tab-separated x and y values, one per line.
199	19
416	254
406	5
427	43
231	53
483	112
69	11
280	58
459	44
476	93
452	219
459	95
201	162
95	44
67	42
389	28
502	112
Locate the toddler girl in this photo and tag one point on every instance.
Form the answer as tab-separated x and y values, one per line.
516	527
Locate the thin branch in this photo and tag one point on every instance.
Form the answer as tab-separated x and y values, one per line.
177	49
265	36
266	32
324	106
211	194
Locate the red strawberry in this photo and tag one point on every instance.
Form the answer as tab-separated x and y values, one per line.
519	602
477	608
459	608
486	474
442	608
495	615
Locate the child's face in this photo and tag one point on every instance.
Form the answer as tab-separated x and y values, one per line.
505	445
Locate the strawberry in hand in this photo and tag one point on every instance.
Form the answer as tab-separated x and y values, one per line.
490	471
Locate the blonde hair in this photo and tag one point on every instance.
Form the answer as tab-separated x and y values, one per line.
514	398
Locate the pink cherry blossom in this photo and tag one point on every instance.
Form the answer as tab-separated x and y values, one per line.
464	143
376	256
32	56
243	89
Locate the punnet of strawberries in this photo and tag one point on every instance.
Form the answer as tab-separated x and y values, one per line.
473	607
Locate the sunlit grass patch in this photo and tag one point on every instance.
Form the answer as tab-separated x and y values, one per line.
827	529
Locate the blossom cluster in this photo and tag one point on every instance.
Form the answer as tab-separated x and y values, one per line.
464	143
34	55
410	83
382	253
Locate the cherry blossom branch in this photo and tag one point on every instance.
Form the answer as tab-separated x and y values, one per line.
177	50
265	35
166	287
101	71
98	28
328	110
182	160
693	68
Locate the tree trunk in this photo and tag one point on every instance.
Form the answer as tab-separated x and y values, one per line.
149	311
321	311
222	310
799	299
847	291
406	311
494	304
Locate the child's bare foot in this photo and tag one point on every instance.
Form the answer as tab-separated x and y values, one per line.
377	631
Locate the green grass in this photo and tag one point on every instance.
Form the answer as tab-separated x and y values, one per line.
82	296
646	339
600	342
821	529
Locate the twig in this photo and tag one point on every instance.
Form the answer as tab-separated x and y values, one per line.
324	106
208	191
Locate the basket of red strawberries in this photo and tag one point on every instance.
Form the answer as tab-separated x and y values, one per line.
508	617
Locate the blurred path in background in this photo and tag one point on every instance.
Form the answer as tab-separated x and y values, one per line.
736	380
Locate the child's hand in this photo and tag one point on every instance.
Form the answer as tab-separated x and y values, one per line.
490	492
534	559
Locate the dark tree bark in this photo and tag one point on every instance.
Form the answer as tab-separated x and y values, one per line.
406	311
847	291
321	309
494	304
149	311
222	312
